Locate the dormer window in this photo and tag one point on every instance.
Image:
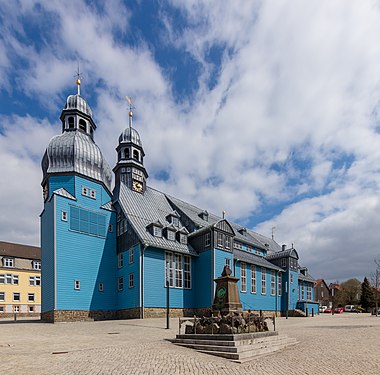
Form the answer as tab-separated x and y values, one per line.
82	125
170	235
175	221
157	231
183	238
204	215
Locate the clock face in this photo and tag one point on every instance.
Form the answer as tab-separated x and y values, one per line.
137	186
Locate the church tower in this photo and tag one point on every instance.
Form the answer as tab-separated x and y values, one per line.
78	239
130	168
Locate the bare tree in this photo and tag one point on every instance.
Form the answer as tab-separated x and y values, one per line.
375	278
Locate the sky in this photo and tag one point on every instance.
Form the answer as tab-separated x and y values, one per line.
268	110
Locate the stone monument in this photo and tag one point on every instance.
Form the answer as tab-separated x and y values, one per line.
227	298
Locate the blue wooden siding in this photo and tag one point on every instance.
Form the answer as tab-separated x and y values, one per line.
83	257
66	182
47	257
203	280
129	297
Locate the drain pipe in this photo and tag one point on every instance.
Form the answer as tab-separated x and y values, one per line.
142	281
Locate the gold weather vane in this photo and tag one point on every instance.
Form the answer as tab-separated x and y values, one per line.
78	75
130	113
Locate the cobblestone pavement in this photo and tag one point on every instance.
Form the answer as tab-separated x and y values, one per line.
341	344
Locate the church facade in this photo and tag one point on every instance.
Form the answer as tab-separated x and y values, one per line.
112	253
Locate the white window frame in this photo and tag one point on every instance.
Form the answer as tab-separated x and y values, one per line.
2	278
227	262
169	269
31	309
291	278
219	240
9	262
85	191
15	280
309	293
92	194
273	283
120	260
2	309
183	238
243	277
253	279
263	280
16	308
34	280
178	271
170	235
131	255
2	296
64	216
157	231
207	239
131	279
175	221
302	292
279	284
16	297
228	242
120	283
8	278
31	297
186	272
37	265
101	287
76	284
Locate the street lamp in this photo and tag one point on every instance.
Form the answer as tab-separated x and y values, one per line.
167	294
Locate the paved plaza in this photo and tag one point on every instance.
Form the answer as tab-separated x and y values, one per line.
339	344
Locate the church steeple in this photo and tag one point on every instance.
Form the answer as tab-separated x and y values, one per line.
130	168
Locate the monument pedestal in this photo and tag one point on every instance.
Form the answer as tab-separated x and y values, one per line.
227	298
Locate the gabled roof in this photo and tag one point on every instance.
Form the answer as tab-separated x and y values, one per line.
142	210
108	206
254	259
64	193
283	253
19	251
319	282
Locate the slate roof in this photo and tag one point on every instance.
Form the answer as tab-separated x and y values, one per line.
144	209
19	251
282	253
251	237
306	277
254	259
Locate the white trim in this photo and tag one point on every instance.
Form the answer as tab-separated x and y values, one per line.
55	250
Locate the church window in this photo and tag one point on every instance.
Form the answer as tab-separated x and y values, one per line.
136	155
207	240
101	287
220	239
71	122
82	125
120	261
253	279
186	272
228	242
131	280
169	271
178	271
273	283
131	255
243	277
77	284
263	281
127	153
8	262
228	262
64	215
120	283
279	284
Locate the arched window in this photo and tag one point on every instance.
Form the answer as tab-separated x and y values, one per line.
71	122
127	153
135	154
119	155
82	125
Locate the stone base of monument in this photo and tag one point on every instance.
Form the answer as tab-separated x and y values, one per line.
236	347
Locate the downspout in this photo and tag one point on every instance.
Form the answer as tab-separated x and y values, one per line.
277	276
55	253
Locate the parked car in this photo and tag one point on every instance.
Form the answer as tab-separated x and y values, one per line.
328	310
339	310
349	308
322	308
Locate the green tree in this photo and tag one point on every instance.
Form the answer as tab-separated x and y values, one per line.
367	299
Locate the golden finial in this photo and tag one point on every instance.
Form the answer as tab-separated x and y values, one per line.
130	113
78	75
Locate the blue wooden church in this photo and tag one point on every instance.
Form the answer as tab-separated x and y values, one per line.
109	254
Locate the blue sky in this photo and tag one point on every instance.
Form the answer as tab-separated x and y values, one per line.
267	110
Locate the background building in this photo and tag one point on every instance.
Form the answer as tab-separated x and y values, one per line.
20	279
109	254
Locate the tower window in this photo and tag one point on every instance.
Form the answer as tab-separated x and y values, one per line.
136	155
127	153
82	125
119	155
71	122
